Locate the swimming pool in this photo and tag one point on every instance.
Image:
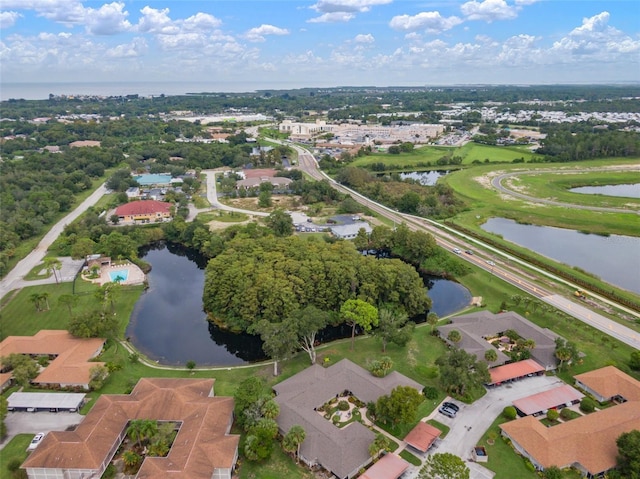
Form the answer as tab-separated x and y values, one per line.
119	275
153	179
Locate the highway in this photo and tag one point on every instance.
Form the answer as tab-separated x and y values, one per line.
502	265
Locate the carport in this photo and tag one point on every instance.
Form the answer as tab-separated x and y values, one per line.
562	396
50	402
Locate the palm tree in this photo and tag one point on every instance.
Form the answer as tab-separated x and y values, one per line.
130	459
270	409
293	439
69	300
134	431
52	265
149	428
563	354
432	319
35	299
45	297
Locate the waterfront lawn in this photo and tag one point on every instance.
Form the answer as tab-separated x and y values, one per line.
20	317
14	450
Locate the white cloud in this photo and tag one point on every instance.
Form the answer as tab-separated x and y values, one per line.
526	2
156	21
136	48
433	22
258	34
364	38
8	19
68	12
109	19
342	10
488	10
333	17
202	21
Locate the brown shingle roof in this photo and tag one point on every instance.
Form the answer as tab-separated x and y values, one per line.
610	381
71	366
588	440
202	444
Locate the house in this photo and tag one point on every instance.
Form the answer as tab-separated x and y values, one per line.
144	211
587	443
390	466
279	183
133	193
351	230
422	436
71	363
476	328
202	449
342	451
556	398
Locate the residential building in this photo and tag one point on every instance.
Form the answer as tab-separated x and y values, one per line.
350	231
342	451
202	449
587	443
144	211
70	357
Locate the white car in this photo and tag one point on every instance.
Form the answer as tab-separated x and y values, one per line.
35	441
457	250
490	263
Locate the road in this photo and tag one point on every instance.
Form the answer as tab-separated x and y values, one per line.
497	184
508	268
14	278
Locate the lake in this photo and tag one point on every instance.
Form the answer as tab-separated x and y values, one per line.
425	178
615	258
626	190
168	324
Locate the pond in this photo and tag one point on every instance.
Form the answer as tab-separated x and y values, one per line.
425	178
627	190
615	258
169	326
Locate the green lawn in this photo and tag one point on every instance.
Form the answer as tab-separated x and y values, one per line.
410	458
438	425
222	216
16	449
503	460
279	466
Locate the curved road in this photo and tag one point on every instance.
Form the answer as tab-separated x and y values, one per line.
449	239
14	278
497	184
212	196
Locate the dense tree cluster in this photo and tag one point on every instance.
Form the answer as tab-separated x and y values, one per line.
561	144
269	279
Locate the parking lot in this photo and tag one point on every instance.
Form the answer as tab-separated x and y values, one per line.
35	422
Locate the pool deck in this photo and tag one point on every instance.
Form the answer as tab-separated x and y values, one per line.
136	276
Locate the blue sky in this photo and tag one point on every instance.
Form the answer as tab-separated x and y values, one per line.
321	42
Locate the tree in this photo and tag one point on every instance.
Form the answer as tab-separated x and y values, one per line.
93	324
264	199
628	460
115	219
191	364
432	319
565	351
454	336
634	361
52	265
134	431
400	406
82	248
552	472
68	300
553	415
380	443
107	295
380	367
444	466
490	355
270	409
250	393
306	323
3	415
130	458
587	405
460	371
36	299
97	375
45	297
356	312
393	327
279	341
510	413
280	223
22	367
293	440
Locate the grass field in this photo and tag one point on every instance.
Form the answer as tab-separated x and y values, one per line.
14	450
470	153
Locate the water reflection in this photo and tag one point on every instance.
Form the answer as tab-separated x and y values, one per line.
614	258
169	326
425	178
627	191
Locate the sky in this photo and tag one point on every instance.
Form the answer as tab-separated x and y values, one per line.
318	43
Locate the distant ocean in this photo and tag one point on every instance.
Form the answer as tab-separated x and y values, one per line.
41	91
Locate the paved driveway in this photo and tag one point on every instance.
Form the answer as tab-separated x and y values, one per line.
473	420
35	422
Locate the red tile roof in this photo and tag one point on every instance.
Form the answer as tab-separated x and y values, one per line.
514	370
390	466
610	381
422	436
143	207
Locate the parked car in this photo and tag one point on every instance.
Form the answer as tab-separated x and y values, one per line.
35	441
451	405
447	411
